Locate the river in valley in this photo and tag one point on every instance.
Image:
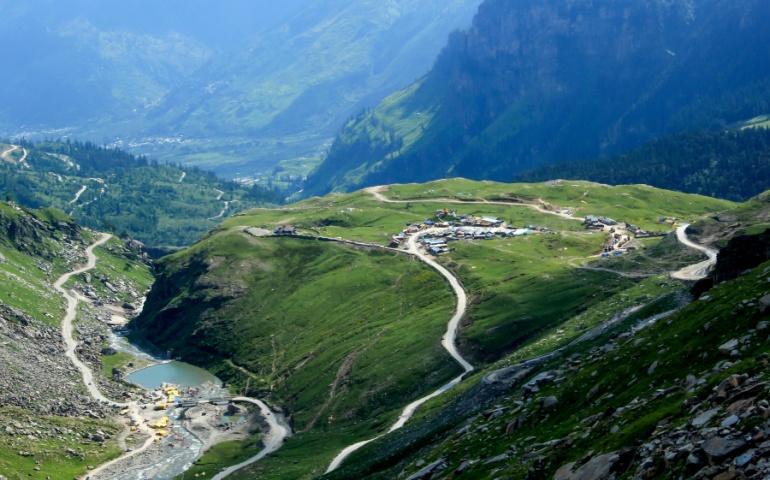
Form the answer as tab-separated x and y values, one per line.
172	461
175	454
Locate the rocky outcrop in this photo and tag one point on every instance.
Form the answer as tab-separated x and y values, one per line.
548	80
740	255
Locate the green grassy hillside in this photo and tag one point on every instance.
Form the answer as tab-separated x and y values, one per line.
48	419
644	395
339	337
307	322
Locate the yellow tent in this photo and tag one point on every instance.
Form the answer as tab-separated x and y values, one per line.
162	423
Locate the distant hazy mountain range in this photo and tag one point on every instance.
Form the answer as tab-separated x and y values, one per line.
535	82
242	74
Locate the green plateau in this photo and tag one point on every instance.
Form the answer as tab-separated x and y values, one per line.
340	332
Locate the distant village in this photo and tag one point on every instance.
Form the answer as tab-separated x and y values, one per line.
451	225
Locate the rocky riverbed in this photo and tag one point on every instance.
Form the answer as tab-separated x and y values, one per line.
192	432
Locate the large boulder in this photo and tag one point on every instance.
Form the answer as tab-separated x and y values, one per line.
720	448
598	468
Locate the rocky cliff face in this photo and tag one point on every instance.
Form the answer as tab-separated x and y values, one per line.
539	81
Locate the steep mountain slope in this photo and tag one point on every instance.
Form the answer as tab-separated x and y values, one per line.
48	418
238	83
535	82
316	69
723	164
338	330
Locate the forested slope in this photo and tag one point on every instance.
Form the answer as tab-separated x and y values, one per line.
734	165
536	82
105	188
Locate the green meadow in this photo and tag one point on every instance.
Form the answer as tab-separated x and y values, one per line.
344	336
49	457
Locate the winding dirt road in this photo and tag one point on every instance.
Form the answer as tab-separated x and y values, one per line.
226	206
698	270
448	342
71	345
273	440
275	437
376	192
692	272
222	213
66	325
78	194
22	161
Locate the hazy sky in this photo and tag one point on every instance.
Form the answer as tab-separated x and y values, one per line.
217	23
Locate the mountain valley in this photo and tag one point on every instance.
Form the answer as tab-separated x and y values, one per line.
548	257
299	305
534	83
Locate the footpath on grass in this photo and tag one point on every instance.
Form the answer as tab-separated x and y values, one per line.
376	192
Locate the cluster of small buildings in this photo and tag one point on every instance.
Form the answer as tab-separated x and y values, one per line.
616	242
435	242
592	222
639	233
462	227
599	223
